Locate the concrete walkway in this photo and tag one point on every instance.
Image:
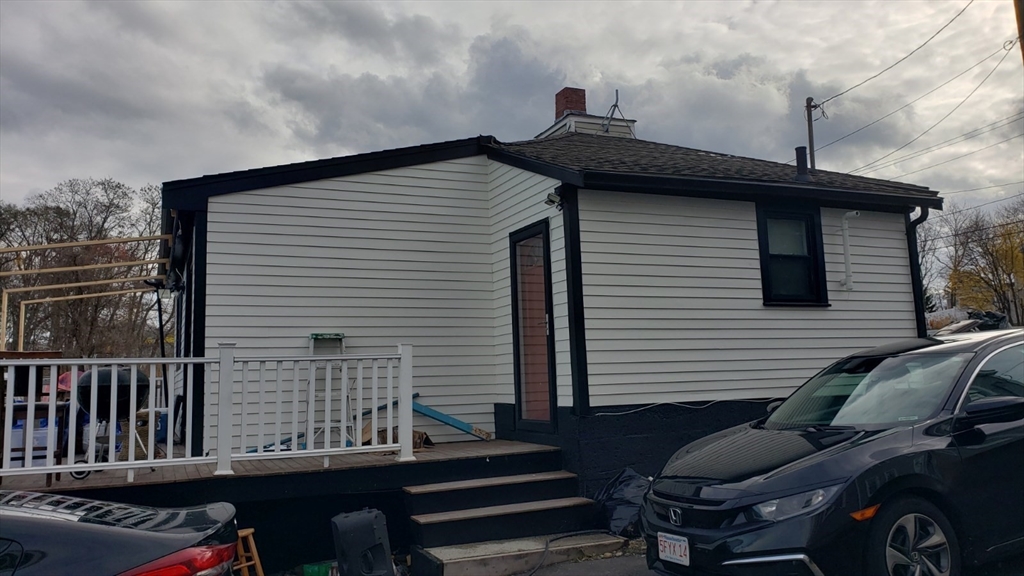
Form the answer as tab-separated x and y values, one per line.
618	566
637	566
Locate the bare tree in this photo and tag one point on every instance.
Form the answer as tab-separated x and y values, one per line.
981	257
77	210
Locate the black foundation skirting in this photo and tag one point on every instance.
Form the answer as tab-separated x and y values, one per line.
597	446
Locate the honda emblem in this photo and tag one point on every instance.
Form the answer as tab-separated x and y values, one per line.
675	516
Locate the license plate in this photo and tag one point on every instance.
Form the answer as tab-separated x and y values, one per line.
674	548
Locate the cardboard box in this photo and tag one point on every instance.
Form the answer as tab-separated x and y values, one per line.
420	439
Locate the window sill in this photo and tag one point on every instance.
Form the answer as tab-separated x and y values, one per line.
798	304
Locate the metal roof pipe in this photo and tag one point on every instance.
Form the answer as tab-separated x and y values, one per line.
802	175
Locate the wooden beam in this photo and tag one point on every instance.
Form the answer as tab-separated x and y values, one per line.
85	267
82	296
21	329
21	316
3	320
80	284
84	243
4	301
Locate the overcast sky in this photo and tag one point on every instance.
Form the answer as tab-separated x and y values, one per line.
147	92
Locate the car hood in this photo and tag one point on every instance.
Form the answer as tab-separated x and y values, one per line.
747	460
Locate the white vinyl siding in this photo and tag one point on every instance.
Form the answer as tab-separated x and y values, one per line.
399	256
517	200
674	309
412	255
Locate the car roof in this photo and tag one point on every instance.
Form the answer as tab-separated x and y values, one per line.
951	343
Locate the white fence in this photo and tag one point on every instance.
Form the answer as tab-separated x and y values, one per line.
278	407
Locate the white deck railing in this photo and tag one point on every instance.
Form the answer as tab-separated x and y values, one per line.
278	407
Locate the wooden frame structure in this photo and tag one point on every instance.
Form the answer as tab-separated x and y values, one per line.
21	315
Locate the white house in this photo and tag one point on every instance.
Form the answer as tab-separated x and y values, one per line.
548	283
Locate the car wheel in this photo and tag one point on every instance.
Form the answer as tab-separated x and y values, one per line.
80	474
912	537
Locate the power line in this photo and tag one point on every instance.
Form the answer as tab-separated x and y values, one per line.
994	226
955	212
984	188
958	157
947	143
950	113
914	101
901	59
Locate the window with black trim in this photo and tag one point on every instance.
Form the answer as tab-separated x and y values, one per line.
792	258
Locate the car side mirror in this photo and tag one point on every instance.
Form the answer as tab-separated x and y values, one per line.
774	405
993	410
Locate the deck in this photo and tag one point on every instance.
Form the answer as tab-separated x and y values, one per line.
275	467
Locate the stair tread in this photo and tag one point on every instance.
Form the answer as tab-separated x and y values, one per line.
502	510
490	548
487	482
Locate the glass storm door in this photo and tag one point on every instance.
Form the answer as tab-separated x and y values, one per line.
533	337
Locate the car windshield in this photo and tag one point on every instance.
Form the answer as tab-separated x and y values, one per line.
872	391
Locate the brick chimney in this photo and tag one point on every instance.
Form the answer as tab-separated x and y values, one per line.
571	116
570	100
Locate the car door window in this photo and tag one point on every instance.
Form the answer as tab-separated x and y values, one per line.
1001	375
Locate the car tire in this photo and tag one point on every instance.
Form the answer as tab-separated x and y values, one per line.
80	474
909	532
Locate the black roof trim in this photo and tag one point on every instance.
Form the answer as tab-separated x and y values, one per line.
193	193
748	190
566	175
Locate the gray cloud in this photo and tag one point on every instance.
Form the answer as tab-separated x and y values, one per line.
504	92
366	26
147	92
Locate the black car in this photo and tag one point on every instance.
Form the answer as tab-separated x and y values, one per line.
906	459
53	535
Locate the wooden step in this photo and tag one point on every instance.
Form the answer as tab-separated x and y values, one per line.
488	482
486	492
504	510
517	520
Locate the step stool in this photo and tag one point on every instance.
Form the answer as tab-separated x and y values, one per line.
245	559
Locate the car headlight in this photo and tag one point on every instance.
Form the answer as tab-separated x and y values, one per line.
782	508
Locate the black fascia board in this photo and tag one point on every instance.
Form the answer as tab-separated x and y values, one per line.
752	191
554	171
193	193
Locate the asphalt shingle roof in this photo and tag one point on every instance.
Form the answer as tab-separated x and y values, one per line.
599	153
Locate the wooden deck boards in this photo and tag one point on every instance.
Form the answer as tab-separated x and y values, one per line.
274	467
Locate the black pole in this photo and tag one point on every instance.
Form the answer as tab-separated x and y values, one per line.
810	106
916	281
156	284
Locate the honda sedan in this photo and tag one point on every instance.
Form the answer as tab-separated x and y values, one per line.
902	460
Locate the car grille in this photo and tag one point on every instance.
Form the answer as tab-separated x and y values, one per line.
692	517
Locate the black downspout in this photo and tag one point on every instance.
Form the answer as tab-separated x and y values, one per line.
915	270
574	295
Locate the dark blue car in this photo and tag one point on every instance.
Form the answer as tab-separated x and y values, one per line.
902	460
54	535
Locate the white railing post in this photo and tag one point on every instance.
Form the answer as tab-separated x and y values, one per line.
404	403
224	402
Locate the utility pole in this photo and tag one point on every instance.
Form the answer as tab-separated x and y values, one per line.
810	124
1018	6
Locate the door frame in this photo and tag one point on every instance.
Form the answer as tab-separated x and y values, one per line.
541	229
